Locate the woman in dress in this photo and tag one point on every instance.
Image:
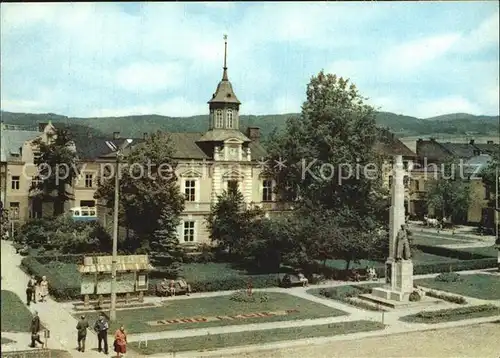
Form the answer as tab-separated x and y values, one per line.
44	289
120	342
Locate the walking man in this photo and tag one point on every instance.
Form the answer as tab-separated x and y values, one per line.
29	294
35	330
33	283
101	327
81	328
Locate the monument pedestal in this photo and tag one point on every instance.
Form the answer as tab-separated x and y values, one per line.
399	281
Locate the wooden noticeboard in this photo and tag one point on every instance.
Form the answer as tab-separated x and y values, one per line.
125	283
88	285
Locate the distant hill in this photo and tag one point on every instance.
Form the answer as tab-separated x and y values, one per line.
134	126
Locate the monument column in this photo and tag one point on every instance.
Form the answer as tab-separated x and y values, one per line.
399	271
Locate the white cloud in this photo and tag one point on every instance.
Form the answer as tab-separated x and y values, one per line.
22	105
175	107
150	77
415	54
452	104
485	35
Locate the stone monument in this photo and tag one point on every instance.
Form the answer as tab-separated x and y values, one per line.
399	266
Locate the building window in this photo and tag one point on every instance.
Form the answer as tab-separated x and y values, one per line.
487	192
416	185
36	156
390	181
229	118
188	231
35	181
89	180
15	182
232	186
219	122
267	190
87	203
14	211
190	190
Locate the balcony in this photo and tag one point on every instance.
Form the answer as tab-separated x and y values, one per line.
191	206
276	206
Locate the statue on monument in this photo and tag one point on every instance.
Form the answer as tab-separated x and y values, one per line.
403	244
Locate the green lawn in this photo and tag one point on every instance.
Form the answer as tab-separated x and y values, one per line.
481	286
40	353
210	342
423	257
15	314
453	314
437	241
490	251
135	320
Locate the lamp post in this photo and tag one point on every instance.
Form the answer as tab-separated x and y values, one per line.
118	151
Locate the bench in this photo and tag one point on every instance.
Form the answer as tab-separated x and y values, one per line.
180	289
290	280
362	275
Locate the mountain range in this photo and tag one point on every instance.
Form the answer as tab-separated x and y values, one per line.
456	124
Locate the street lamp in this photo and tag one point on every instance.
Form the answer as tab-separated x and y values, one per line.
118	151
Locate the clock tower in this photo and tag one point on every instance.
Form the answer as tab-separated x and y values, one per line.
224	140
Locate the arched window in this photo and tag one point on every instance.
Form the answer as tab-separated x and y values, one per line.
229	118
218	119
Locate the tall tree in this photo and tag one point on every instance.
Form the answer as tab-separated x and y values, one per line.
330	164
148	188
165	247
489	176
449	194
229	222
57	169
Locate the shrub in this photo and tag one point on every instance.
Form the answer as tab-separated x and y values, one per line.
59	287
415	296
456	311
453	299
448	277
243	296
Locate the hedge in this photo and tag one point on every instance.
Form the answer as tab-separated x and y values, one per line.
449	252
61	289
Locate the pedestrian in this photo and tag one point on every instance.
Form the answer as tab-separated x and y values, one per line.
29	294
120	343
33	283
35	330
44	288
101	327
81	328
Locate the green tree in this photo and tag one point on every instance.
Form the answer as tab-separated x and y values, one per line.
57	169
332	166
165	247
449	194
148	187
230	223
489	176
5	223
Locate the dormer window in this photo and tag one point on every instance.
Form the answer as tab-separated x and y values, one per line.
229	118
219	122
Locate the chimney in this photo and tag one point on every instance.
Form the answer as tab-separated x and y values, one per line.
471	141
41	126
420	140
253	133
489	142
145	135
116	135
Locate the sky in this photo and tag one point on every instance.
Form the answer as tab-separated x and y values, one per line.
111	59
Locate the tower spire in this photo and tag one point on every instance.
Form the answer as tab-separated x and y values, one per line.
224	74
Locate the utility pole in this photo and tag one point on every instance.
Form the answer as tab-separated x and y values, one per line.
118	151
112	313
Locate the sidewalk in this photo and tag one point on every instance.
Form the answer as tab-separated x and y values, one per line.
61	324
